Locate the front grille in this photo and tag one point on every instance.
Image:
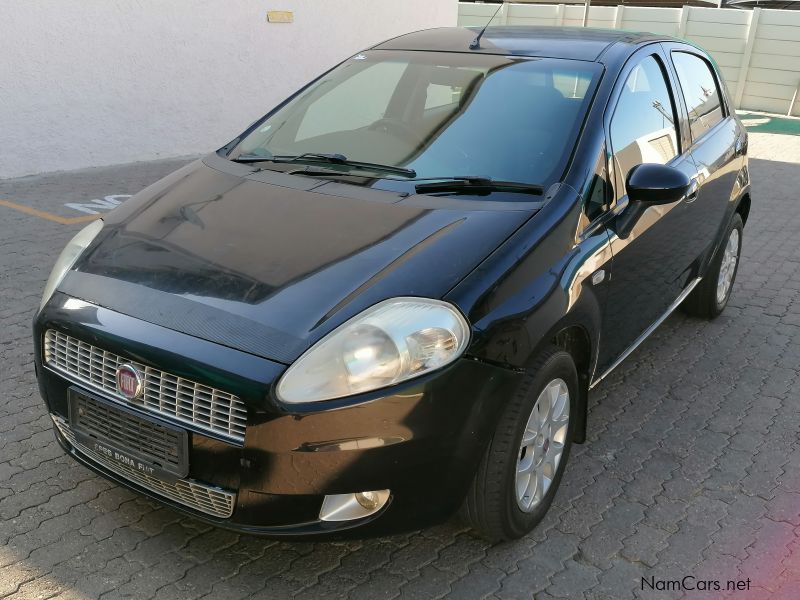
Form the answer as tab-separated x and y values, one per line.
174	397
126	430
194	494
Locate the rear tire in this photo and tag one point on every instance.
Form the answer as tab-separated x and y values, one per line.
510	493
711	295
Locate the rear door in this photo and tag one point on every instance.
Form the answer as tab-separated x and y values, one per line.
651	264
714	145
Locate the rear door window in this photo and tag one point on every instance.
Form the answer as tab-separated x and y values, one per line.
700	91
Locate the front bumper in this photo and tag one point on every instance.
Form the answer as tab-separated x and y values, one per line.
422	440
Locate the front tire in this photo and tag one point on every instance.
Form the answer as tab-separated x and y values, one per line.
711	296
523	465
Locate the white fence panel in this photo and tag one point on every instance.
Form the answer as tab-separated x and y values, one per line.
95	82
758	51
781	17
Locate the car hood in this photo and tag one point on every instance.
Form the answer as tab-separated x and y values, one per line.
269	262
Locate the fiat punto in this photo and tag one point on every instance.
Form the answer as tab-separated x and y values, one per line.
387	300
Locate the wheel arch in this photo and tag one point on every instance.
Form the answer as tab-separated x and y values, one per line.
579	339
743	207
576	341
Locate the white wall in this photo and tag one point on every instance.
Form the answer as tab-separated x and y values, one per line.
97	82
758	51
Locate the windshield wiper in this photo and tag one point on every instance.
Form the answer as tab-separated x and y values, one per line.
476	185
333	159
253	158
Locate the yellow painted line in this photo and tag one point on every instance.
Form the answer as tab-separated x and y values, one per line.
42	214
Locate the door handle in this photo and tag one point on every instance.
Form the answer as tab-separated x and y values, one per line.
691	193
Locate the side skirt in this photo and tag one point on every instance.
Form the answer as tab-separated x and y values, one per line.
646	333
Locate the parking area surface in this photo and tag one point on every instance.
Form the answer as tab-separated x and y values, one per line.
692	466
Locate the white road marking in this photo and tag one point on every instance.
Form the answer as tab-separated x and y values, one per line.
94	207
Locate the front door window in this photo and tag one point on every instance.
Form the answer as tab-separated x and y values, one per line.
643	126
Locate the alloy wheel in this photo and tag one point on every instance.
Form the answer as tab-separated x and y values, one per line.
728	266
542	445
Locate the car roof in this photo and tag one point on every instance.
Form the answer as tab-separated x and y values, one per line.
579	43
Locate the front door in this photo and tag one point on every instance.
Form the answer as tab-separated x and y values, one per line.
652	262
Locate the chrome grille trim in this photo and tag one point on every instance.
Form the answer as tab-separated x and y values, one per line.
173	397
202	497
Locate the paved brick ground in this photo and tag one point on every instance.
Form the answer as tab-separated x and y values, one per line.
692	465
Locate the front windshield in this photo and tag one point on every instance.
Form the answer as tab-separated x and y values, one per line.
440	114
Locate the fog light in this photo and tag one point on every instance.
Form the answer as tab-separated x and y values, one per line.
347	507
368	500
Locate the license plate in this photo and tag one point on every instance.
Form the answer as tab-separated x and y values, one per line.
128	438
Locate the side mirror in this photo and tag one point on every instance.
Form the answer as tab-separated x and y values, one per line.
650	184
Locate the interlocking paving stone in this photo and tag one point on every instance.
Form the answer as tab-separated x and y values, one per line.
692	466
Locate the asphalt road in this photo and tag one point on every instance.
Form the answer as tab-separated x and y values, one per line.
692	466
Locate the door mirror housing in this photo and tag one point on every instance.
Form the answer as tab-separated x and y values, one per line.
652	184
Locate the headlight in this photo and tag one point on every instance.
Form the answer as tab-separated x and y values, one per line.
390	342
68	257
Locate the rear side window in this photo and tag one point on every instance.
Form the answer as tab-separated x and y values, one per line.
700	90
441	95
448	86
643	126
370	91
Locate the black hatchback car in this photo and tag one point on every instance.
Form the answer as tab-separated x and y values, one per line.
389	298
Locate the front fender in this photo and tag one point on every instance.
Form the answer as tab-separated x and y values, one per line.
537	284
546	285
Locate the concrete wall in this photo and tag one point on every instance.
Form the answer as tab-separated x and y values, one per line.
758	51
97	82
